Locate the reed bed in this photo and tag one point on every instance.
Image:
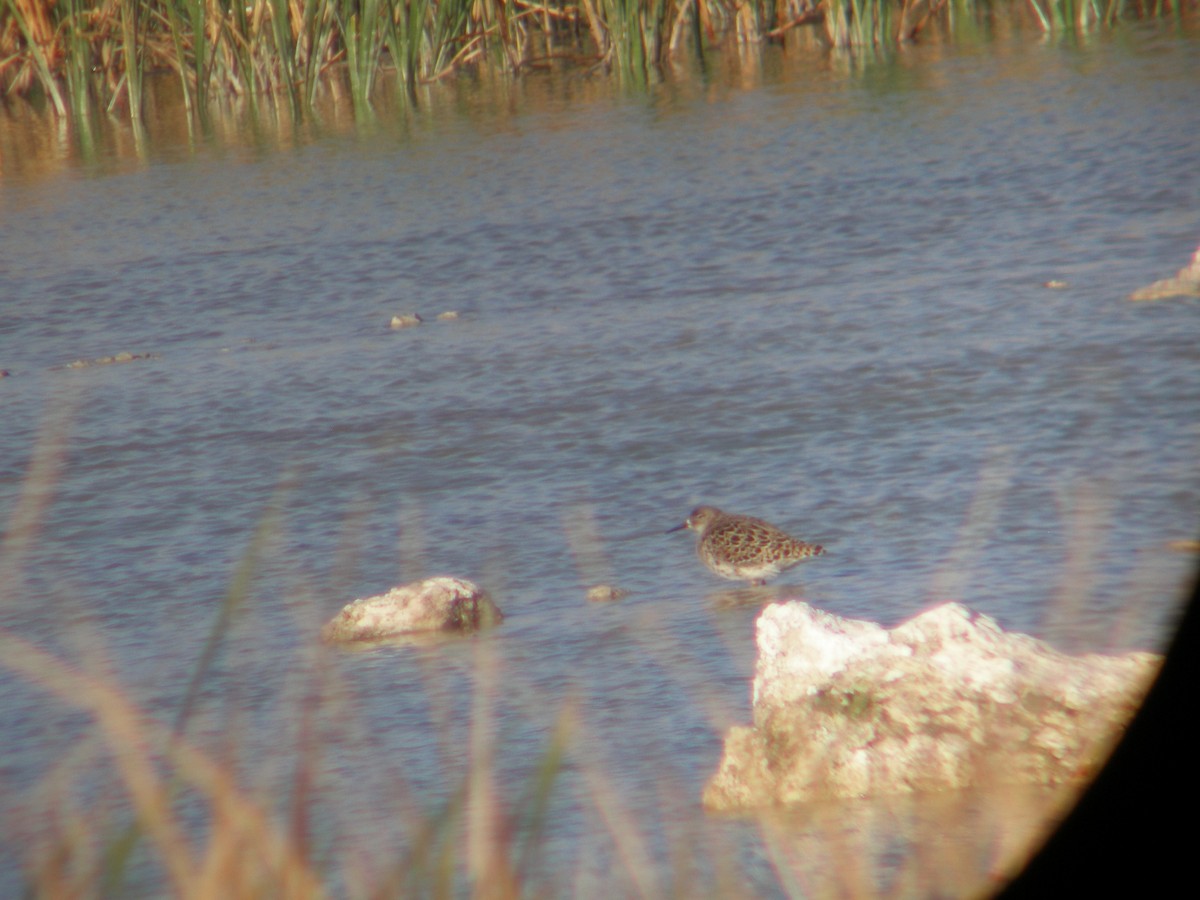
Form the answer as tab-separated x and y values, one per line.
80	57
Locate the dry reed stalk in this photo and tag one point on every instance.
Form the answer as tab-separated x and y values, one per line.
622	826
488	834
979	523
249	843
31	21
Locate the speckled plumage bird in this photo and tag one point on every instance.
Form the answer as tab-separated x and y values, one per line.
742	548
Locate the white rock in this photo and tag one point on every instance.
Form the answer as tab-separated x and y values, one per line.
435	604
845	708
1186	283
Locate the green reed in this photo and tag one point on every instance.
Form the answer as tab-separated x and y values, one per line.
404	38
1065	15
176	13
363	31
1057	15
132	47
635	29
77	64
425	36
313	39
283	45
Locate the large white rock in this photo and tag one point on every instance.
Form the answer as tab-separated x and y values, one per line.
1186	283
435	604
846	708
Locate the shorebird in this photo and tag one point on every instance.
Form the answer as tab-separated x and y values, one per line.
742	548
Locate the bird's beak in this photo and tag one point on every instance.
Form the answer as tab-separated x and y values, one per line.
679	527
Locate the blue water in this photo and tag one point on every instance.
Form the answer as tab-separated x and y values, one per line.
820	301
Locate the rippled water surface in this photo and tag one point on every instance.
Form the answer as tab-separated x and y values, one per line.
820	301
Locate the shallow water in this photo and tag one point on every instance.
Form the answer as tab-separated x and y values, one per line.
820	301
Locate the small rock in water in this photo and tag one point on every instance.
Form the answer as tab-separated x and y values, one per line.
1055	284
606	593
442	603
407	320
447	316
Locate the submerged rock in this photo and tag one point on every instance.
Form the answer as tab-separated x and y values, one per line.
442	603
1186	283
606	593
846	708
123	357
407	320
448	316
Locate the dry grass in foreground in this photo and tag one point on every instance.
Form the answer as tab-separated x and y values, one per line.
192	806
